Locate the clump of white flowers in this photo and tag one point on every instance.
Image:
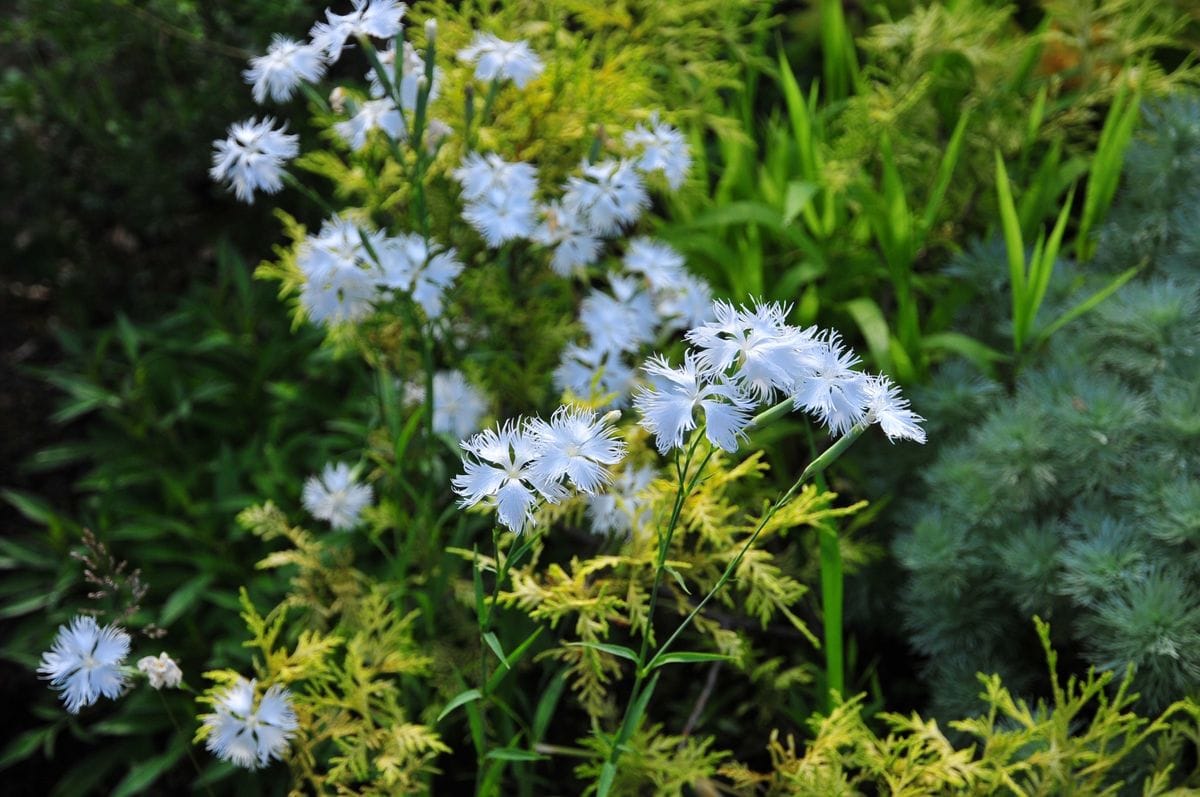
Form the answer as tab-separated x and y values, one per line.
161	670
247	734
521	462
336	496
85	662
747	358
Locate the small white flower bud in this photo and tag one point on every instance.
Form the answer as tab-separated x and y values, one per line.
612	416
161	670
430	30
337	99
436	134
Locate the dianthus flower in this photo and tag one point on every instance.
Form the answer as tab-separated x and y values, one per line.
663	149
247	735
575	444
668	408
609	195
286	65
335	496
575	246
498	466
766	355
620	321
371	115
496	59
85	662
378	18
252	157
161	670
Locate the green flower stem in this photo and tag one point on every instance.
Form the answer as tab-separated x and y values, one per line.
187	743
486	623
831	602
664	546
815	467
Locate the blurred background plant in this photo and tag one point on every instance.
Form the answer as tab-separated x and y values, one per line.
1072	492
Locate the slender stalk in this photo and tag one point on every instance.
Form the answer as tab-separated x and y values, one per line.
818	465
831	604
664	547
188	746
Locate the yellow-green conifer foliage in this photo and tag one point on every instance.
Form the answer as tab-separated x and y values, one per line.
1076	743
338	643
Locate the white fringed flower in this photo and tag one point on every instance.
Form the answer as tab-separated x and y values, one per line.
458	406
619	510
496	59
247	735
830	388
371	115
577	445
499	197
84	663
336	496
575	247
620	321
252	157
286	65
658	262
689	305
609	195
339	280
886	407
663	149
378	18
765	354
161	670
498	466
668	409
408	264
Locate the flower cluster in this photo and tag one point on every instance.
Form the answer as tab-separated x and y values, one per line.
651	295
347	271
245	734
519	463
336	496
748	358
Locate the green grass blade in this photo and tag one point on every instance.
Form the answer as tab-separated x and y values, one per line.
1013	243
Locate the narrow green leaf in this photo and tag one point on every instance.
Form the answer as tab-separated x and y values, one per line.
799	196
874	328
1013	242
546	705
182	599
514	754
462	698
1088	303
512	659
608	773
945	173
494	644
687	657
678	578
1045	268
615	650
978	352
